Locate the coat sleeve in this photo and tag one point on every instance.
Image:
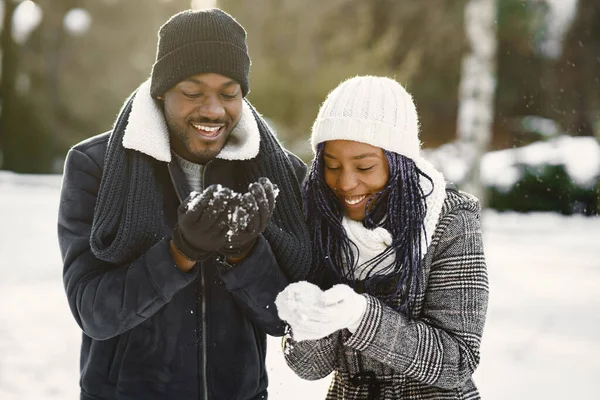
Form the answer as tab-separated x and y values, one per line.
107	299
255	283
299	166
312	359
441	347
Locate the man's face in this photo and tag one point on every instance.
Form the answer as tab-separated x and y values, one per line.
201	111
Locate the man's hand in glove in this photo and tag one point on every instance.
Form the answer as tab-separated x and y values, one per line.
202	223
249	217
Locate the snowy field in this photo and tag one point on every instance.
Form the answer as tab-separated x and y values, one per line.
542	338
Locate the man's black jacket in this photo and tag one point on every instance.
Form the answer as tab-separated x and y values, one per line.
151	331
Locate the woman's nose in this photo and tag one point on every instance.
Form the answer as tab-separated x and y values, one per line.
346	182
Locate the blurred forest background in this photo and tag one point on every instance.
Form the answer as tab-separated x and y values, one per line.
67	66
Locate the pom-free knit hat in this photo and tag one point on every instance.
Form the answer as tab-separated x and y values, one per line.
373	110
194	42
380	112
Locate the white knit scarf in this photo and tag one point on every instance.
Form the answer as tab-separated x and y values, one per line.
372	242
369	244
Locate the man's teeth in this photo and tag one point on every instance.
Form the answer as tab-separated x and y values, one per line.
207	128
355	199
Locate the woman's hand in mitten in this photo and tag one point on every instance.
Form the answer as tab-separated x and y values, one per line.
345	307
313	314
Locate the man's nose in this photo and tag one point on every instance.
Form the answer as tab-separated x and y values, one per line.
212	108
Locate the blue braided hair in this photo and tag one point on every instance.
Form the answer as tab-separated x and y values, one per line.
399	207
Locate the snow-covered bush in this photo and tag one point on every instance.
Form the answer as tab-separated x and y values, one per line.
547	188
561	174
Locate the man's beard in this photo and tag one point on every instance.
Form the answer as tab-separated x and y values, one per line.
198	156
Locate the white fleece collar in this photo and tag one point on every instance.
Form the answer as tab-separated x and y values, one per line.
147	131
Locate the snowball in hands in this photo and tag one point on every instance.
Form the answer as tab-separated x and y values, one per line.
239	215
237	218
313	314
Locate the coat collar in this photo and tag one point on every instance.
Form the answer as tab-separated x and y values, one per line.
147	131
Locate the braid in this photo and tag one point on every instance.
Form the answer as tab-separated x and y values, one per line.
399	207
324	215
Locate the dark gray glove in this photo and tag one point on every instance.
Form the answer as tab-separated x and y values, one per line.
250	216
202	223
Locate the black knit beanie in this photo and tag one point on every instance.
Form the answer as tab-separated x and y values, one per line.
194	42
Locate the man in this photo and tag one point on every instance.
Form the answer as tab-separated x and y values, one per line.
175	297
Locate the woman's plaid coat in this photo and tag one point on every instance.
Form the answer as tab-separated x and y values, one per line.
432	356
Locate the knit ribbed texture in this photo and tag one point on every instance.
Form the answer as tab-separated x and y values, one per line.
192	171
194	42
369	243
128	218
287	232
373	110
378	111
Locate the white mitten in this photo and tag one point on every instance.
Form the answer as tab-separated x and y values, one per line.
347	306
313	314
289	299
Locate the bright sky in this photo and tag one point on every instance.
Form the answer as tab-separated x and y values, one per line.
200	4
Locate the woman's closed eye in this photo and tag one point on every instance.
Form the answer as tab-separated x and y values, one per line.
365	168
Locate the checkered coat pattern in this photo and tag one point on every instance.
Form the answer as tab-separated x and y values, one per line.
432	356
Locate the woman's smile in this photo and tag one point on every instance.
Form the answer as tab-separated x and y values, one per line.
355	172
354	201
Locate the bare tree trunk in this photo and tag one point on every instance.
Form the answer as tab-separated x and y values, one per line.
25	131
7	87
584	61
477	90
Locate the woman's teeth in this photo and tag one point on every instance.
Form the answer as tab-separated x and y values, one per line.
354	200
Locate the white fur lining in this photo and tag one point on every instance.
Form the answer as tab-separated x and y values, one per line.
147	131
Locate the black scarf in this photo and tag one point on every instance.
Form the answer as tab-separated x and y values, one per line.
128	218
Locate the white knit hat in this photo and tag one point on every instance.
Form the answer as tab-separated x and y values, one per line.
370	109
379	111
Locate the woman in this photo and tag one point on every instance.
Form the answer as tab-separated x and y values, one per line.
403	251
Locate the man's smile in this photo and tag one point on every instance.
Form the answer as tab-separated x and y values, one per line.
210	132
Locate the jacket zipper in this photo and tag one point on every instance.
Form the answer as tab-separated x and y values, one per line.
203	308
204	341
173	183
203	362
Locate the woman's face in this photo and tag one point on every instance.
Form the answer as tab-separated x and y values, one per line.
355	172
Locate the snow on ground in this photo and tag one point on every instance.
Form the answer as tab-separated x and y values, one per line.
542	338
